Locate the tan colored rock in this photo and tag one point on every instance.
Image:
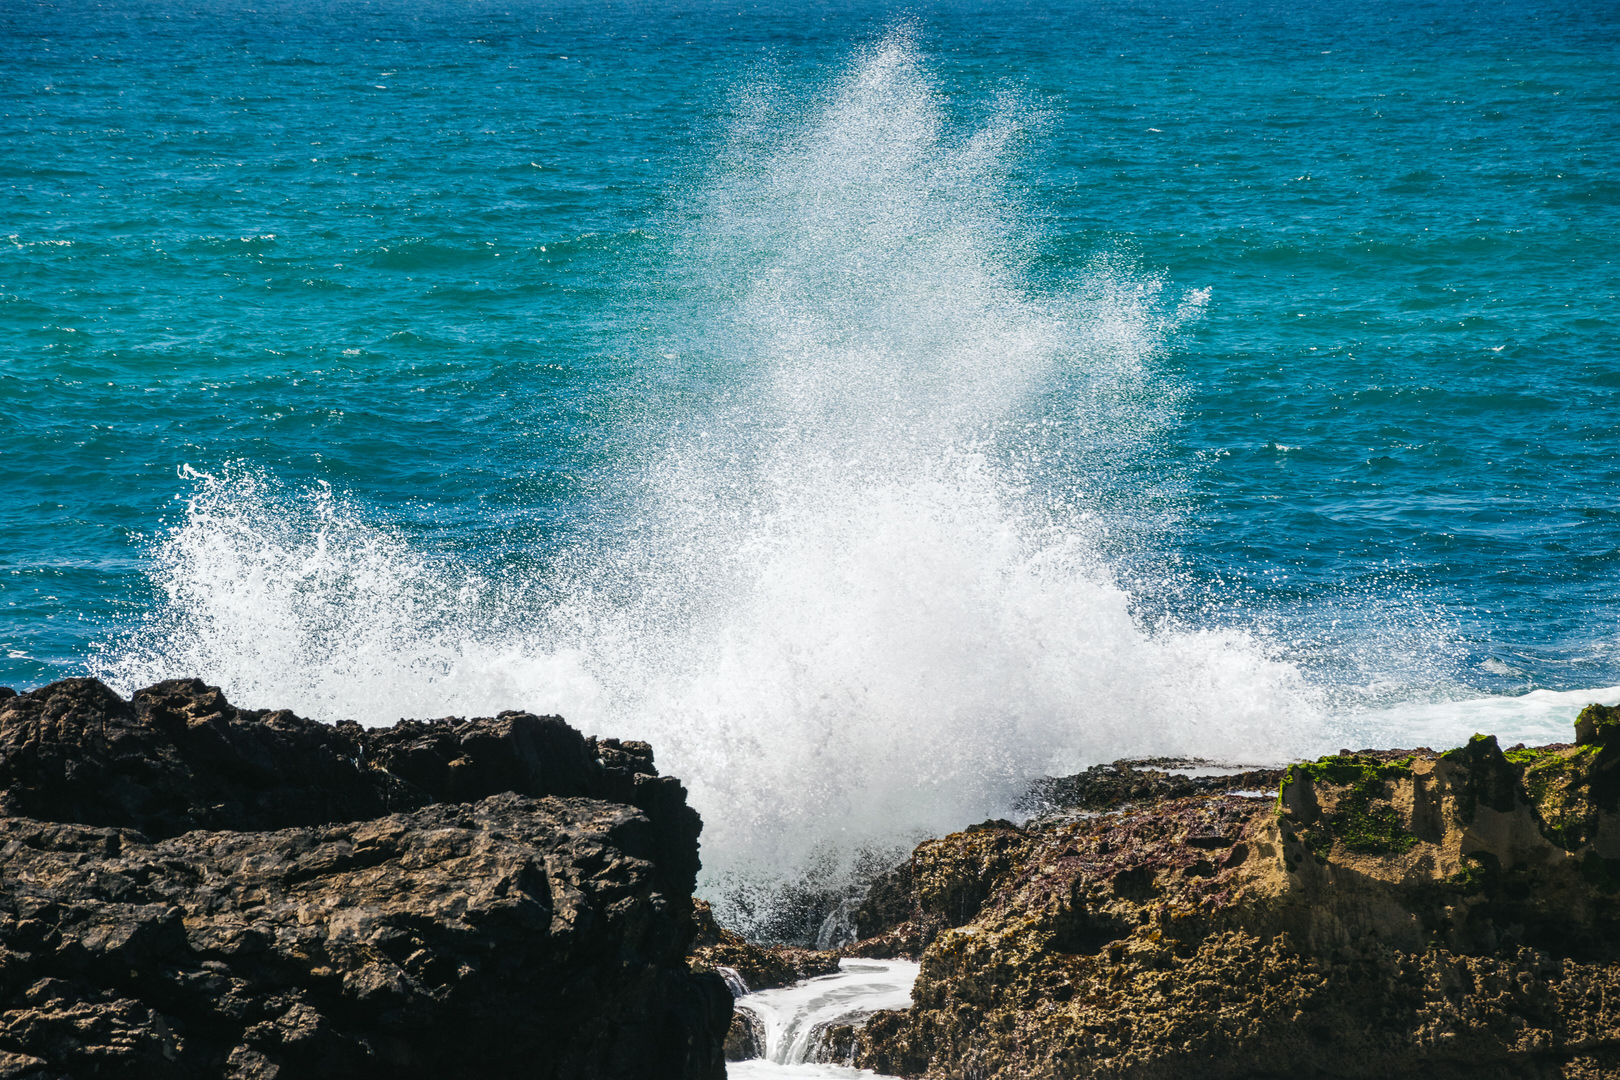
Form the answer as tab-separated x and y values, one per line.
1391	914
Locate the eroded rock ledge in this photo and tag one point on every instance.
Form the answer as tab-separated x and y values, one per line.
192	890
1388	914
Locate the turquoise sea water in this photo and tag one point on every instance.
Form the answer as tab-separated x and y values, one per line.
871	405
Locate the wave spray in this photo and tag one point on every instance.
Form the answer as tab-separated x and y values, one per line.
863	588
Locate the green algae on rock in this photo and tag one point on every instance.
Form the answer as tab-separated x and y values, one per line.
1360	819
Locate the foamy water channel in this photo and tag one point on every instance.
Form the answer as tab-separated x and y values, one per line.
794	1017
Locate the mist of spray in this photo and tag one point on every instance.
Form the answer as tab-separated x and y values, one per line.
863	593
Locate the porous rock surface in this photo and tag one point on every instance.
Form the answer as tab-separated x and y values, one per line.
192	890
1389	914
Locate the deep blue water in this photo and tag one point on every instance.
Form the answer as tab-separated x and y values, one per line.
811	382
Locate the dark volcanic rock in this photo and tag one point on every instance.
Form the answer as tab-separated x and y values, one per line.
192	890
178	756
1390	914
456	760
1108	787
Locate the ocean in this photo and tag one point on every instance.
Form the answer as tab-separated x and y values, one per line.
871	405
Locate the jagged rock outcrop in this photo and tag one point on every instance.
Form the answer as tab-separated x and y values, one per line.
945	882
1107	787
192	890
1390	914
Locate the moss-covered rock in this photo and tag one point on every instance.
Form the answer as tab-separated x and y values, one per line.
1489	779
1363	818
1598	725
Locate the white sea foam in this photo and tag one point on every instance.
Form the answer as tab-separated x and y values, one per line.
865	588
760	1069
792	1017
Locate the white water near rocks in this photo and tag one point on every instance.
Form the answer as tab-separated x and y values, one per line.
765	1070
793	1016
860	591
854	568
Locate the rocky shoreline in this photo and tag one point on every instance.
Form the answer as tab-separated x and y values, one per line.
192	890
1383	914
